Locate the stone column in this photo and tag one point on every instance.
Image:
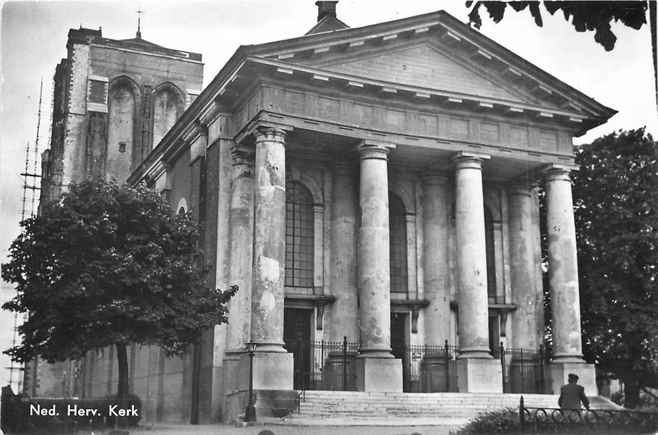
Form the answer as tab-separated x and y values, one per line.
343	313
241	226
477	370
377	370
273	366
436	206
567	353
526	332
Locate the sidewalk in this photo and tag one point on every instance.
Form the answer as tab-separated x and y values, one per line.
222	429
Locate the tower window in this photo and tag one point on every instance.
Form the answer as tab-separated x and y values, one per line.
122	147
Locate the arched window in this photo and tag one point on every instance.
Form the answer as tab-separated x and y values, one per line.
120	132
167	106
299	236
491	256
398	244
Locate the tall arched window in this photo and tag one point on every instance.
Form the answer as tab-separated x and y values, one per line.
398	244
299	236
167	105
491	256
120	132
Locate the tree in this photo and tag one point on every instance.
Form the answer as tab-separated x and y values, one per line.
616	212
109	265
585	15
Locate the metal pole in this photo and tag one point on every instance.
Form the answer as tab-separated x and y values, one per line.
250	412
344	363
521	415
502	363
447	356
541	369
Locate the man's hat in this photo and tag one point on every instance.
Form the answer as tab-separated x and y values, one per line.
573	377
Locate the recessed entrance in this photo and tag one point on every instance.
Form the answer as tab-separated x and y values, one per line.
399	346
297	338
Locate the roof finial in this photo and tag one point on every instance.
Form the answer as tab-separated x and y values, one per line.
139	23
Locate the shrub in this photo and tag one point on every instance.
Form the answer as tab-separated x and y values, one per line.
500	421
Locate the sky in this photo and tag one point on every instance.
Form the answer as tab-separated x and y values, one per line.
33	40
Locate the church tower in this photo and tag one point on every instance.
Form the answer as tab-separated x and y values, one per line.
114	101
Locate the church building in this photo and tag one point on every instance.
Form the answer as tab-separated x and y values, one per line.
372	191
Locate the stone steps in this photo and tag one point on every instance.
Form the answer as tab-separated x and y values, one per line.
433	407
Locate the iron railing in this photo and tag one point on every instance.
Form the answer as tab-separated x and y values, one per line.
324	365
428	368
578	421
331	365
524	370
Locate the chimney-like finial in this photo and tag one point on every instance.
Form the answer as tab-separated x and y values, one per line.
139	23
326	8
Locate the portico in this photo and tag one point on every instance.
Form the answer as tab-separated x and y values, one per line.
378	213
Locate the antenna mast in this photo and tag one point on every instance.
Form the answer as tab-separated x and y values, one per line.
30	182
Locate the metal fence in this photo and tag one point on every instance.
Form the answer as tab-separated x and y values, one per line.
324	365
524	370
578	421
428	368
331	365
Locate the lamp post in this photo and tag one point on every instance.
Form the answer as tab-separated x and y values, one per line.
250	411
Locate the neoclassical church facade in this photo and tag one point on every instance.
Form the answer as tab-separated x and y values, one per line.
372	185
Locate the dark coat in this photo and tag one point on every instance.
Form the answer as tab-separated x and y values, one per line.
571	395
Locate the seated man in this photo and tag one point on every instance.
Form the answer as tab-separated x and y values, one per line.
572	394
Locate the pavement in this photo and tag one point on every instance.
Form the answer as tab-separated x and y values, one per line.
271	429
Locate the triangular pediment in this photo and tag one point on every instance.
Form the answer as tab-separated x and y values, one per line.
426	65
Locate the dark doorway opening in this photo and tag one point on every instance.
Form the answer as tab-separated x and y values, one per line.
399	346
297	338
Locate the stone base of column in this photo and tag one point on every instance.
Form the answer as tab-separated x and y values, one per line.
436	374
339	372
273	383
559	372
479	375
379	374
525	375
272	370
234	374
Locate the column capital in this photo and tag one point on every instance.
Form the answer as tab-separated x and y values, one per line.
375	150
242	155
466	160
559	172
270	133
521	189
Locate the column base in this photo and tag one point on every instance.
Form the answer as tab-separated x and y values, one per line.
479	375
559	373
526	375
438	374
379	374
339	372
272	370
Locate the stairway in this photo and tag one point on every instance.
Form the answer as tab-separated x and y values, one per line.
342	407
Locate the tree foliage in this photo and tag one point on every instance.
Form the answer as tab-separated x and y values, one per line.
585	15
616	212
109	265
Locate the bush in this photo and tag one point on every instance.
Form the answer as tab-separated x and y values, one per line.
501	421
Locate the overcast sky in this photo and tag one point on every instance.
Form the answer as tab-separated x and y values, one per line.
33	40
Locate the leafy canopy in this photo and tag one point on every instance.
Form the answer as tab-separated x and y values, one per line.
616	211
109	265
585	15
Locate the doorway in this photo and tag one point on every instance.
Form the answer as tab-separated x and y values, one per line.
297	339
399	347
